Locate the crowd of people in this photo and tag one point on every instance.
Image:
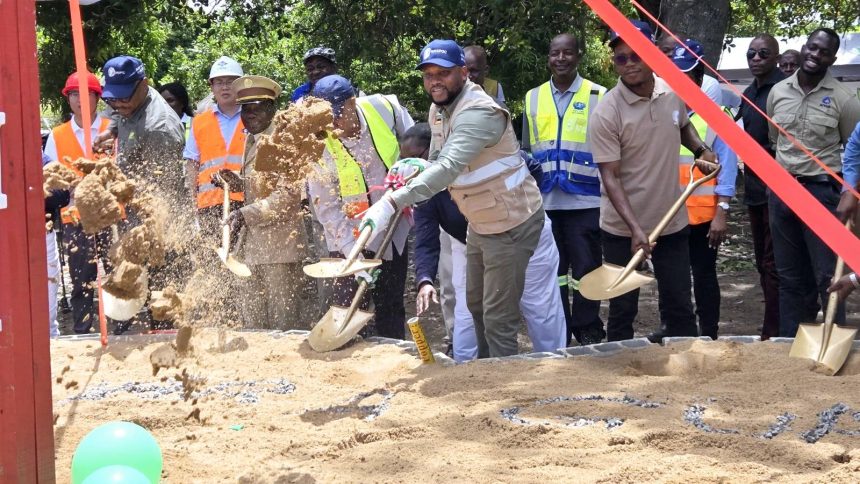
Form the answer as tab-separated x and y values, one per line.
504	228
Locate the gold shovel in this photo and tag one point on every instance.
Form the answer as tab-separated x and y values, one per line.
235	266
332	267
828	343
610	280
339	325
120	309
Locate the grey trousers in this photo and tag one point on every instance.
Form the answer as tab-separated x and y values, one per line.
274	298
495	278
447	296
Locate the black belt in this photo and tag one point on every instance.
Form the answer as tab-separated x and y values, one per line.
822	178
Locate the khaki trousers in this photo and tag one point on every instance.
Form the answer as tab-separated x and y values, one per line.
495	279
274	298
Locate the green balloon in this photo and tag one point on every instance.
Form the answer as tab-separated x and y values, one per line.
117	444
116	475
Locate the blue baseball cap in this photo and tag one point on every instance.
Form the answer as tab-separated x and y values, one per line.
335	89
684	59
443	53
121	76
641	26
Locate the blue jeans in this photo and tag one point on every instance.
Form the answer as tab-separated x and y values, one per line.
804	263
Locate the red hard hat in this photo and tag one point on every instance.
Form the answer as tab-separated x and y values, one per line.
92	83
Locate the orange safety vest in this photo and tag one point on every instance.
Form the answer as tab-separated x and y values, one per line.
702	203
216	156
68	151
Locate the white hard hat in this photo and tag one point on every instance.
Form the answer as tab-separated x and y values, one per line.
225	66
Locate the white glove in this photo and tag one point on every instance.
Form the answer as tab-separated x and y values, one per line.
377	217
407	167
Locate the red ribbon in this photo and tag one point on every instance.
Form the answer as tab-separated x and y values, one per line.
805	206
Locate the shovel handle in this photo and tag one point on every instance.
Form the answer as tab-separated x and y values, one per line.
691	186
833	299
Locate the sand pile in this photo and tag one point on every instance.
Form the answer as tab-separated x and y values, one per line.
298	140
278	412
99	195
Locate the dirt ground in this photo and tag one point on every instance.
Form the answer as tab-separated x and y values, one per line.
272	410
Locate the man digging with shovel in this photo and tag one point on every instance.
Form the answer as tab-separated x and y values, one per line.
269	225
636	134
477	157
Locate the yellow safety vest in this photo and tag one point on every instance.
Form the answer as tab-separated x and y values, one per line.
559	142
380	117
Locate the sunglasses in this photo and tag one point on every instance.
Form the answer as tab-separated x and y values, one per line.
624	59
762	53
114	100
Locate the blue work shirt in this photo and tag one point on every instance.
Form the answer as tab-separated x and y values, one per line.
851	159
228	127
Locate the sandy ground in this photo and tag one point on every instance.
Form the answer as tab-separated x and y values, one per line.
692	412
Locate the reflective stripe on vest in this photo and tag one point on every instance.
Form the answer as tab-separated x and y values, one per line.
702	204
69	149
559	142
216	156
379	116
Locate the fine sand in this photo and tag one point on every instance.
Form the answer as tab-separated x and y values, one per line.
265	409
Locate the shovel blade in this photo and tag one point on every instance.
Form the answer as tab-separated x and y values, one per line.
327	336
120	309
606	282
809	343
330	268
232	263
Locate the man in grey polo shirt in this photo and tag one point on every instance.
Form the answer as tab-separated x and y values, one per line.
150	138
820	114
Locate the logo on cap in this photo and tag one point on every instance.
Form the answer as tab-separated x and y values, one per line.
249	83
113	72
679	52
427	54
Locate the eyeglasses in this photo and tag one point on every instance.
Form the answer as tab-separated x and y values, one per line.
762	53
624	59
222	82
115	100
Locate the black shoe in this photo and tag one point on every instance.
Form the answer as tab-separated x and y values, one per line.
657	336
589	335
121	327
449	351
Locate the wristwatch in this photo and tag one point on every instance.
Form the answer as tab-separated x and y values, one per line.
702	149
724	206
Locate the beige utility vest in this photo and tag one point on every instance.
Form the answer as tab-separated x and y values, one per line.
495	192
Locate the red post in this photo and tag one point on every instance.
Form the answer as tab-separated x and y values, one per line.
26	419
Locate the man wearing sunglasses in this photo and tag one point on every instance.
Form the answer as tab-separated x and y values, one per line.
820	114
149	139
762	57
636	133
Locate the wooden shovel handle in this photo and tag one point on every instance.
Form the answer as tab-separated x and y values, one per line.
691	186
833	299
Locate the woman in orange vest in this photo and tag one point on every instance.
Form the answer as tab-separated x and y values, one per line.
66	144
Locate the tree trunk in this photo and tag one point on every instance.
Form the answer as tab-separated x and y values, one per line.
703	21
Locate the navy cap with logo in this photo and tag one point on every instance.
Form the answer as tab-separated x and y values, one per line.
335	89
443	53
641	26
684	59
121	76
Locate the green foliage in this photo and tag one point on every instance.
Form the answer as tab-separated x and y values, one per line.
377	41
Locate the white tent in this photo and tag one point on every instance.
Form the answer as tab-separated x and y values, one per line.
733	65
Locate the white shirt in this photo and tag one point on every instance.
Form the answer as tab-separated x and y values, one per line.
51	144
712	88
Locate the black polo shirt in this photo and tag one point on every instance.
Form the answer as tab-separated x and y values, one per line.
757	126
